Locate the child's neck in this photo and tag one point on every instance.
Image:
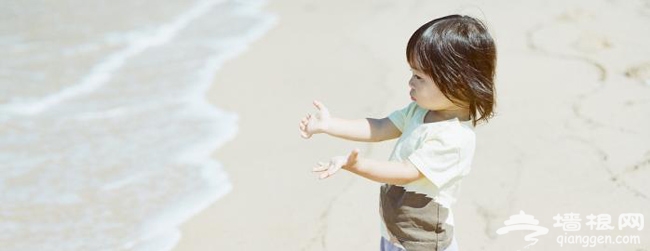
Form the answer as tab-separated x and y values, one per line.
442	115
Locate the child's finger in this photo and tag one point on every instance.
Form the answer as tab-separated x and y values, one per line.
304	133
329	172
353	155
318	105
324	175
321	167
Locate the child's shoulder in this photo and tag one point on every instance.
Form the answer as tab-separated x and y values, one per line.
409	109
451	132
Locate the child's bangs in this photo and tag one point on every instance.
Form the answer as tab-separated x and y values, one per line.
414	56
419	53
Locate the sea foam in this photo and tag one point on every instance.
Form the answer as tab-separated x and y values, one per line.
105	131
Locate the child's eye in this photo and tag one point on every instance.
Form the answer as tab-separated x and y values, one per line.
417	77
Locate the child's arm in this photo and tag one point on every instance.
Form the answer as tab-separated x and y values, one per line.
367	130
389	172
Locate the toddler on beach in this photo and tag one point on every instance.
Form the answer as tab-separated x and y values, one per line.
453	61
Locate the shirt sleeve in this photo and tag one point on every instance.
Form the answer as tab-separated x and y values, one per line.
439	161
401	116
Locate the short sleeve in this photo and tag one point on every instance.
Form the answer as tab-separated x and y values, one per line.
401	116
439	161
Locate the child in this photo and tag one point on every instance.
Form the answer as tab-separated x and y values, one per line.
453	62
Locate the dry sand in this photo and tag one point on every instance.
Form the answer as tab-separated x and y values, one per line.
573	99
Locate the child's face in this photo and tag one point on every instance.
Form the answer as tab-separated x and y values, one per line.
426	93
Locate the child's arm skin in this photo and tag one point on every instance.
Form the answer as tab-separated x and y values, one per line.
389	172
374	130
366	130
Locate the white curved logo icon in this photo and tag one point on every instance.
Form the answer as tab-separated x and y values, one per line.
524	221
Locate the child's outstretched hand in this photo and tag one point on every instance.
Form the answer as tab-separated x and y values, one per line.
318	123
336	163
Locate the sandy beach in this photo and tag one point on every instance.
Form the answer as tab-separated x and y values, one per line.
573	91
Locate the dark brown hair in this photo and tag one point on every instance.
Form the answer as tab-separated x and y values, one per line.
458	53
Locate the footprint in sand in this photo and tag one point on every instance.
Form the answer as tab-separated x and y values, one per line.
570	34
589	42
640	73
574	16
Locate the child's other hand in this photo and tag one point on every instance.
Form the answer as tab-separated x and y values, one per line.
318	123
336	163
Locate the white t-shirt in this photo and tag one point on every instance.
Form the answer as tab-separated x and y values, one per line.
442	151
